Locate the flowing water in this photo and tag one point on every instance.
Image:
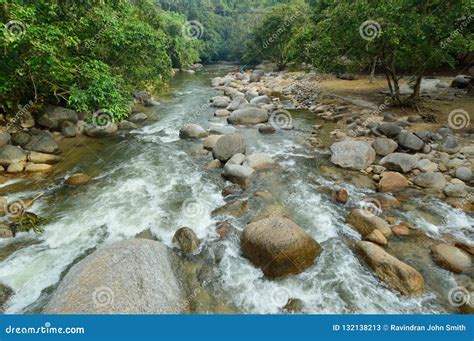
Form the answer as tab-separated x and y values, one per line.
150	180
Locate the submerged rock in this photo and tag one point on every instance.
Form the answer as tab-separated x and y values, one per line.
452	258
396	274
78	179
278	246
192	131
129	277
352	154
187	240
259	161
365	222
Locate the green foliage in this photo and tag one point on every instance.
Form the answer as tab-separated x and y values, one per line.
27	222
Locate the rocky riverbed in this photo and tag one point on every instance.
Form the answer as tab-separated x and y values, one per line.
257	194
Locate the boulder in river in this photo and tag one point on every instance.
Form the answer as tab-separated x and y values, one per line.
42	142
259	161
93	130
392	182
78	179
38	168
256	76
248	116
365	222
456	190
127	125
452	258
222	113
192	131
236	103
376	237
220	101
237	159
11	154
54	117
433	180
216	129
352	154
260	100
136	276
399	162
464	173
210	141
138	117
278	246
227	146
238	174
384	146
68	129
187	240
396	274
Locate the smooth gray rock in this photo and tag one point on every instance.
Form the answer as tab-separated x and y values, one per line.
390	129
260	100
410	141
456	190
54	117
248	116
5	138
127	125
399	162
108	130
138	117
215	129
239	174
192	131
11	155
236	103
227	146
449	145
352	154
384	146
464	173
129	277
433	180
21	138
256	76
42	142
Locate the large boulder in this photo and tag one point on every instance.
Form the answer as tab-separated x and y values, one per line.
238	174
433	180
260	100
392	182
278	246
129	277
259	161
384	146
227	146
12	155
410	141
248	116
365	222
399	162
450	145
352	154
192	131
452	258
54	117
220	101
42	142
396	274
390	129
460	82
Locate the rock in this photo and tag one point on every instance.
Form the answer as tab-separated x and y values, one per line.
223	229
128	277
16	168
210	141
392	182
396	274
464	174
217	81
36	157
260	100
238	174
415	118
222	113
68	129
341	195
452	258
248	116
78	179
227	146
456	190
365	222
220	102
460	82
443	132
410	141
259	161
266	129
449	145
352	154
390	129
294	306
107	130
399	162
192	131
42	142
26	120
5	138
376	237
54	117
232	189
384	146
20	138
5	293
237	159
278	246
38	168
256	76
5	232
213	164
222	130
187	240
235	208
236	103
11	154
401	230
127	125
426	165
138	117
433	180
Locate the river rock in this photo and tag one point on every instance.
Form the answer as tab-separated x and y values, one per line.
399	162
237	159
235	208
390	129
340	195
449	145
410	141
78	179
266	129
54	117
352	154
26	120
217	81
16	168
433	180
376	237
248	116
127	125
236	103
68	129
192	131
396	274
5	232
42	142
460	82
220	101
426	165
38	168
213	164
227	146
256	76
259	161
138	117
187	240
5	138
456	190
384	146
392	182
136	276
222	130
260	100
365	222
210	141
278	246
464	174
11	154
93	130
452	258
239	174
5	293
222	113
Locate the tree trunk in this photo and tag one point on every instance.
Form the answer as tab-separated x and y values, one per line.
372	70
415	96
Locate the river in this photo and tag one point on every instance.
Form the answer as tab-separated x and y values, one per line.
143	179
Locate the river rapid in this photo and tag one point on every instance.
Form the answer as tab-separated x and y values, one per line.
149	179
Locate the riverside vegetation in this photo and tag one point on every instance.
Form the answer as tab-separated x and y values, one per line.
304	177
